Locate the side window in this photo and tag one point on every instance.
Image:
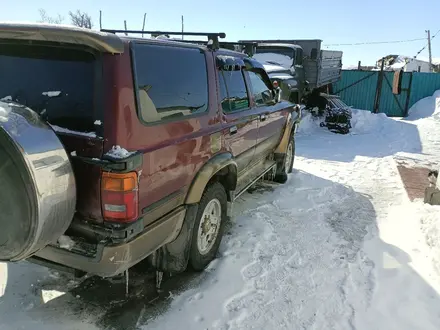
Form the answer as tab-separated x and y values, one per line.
261	91
233	94
171	82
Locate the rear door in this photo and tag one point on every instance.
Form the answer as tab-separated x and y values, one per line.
177	117
62	85
271	117
239	118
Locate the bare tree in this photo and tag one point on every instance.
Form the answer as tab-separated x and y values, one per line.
44	18
81	19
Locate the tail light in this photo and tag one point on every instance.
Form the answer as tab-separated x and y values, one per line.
119	196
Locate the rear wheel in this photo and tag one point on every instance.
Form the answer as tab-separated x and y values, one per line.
208	227
285	165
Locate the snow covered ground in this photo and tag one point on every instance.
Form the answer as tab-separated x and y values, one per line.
340	246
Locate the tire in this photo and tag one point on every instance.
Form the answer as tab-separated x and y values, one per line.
285	166
204	248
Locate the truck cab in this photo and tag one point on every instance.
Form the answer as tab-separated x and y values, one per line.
286	57
314	68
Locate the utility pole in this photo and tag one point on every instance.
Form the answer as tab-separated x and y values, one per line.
429	50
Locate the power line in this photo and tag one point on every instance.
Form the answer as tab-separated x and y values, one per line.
421	50
377	42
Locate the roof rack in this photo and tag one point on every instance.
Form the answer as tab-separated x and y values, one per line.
212	37
248	47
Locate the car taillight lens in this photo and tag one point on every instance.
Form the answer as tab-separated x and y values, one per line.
119	196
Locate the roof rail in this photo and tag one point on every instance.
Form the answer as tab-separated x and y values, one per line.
212	37
248	47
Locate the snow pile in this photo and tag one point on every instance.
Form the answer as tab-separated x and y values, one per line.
309	124
118	152
427	107
362	122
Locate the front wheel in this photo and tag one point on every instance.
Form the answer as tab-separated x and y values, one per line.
208	226
285	166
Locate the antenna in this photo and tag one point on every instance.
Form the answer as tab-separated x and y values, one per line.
143	24
182	27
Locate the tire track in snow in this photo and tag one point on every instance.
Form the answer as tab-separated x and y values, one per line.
306	274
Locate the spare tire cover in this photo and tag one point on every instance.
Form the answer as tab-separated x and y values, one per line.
37	184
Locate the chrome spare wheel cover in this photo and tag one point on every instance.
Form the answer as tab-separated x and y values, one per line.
209	226
49	169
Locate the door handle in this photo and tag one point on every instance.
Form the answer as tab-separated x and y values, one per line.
262	117
233	130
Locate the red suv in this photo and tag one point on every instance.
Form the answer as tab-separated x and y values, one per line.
115	149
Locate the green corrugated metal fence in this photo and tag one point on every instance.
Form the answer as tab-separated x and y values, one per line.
358	89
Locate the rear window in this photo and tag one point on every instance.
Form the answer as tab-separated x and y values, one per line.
172	82
57	83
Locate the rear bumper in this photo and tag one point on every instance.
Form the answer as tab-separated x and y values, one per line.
111	260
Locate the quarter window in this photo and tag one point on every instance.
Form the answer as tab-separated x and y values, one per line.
171	82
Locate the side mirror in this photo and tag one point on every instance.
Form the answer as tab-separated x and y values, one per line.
292	71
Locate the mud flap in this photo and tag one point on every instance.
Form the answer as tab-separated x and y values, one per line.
173	257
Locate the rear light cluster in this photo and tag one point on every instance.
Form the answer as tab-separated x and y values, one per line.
119	196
